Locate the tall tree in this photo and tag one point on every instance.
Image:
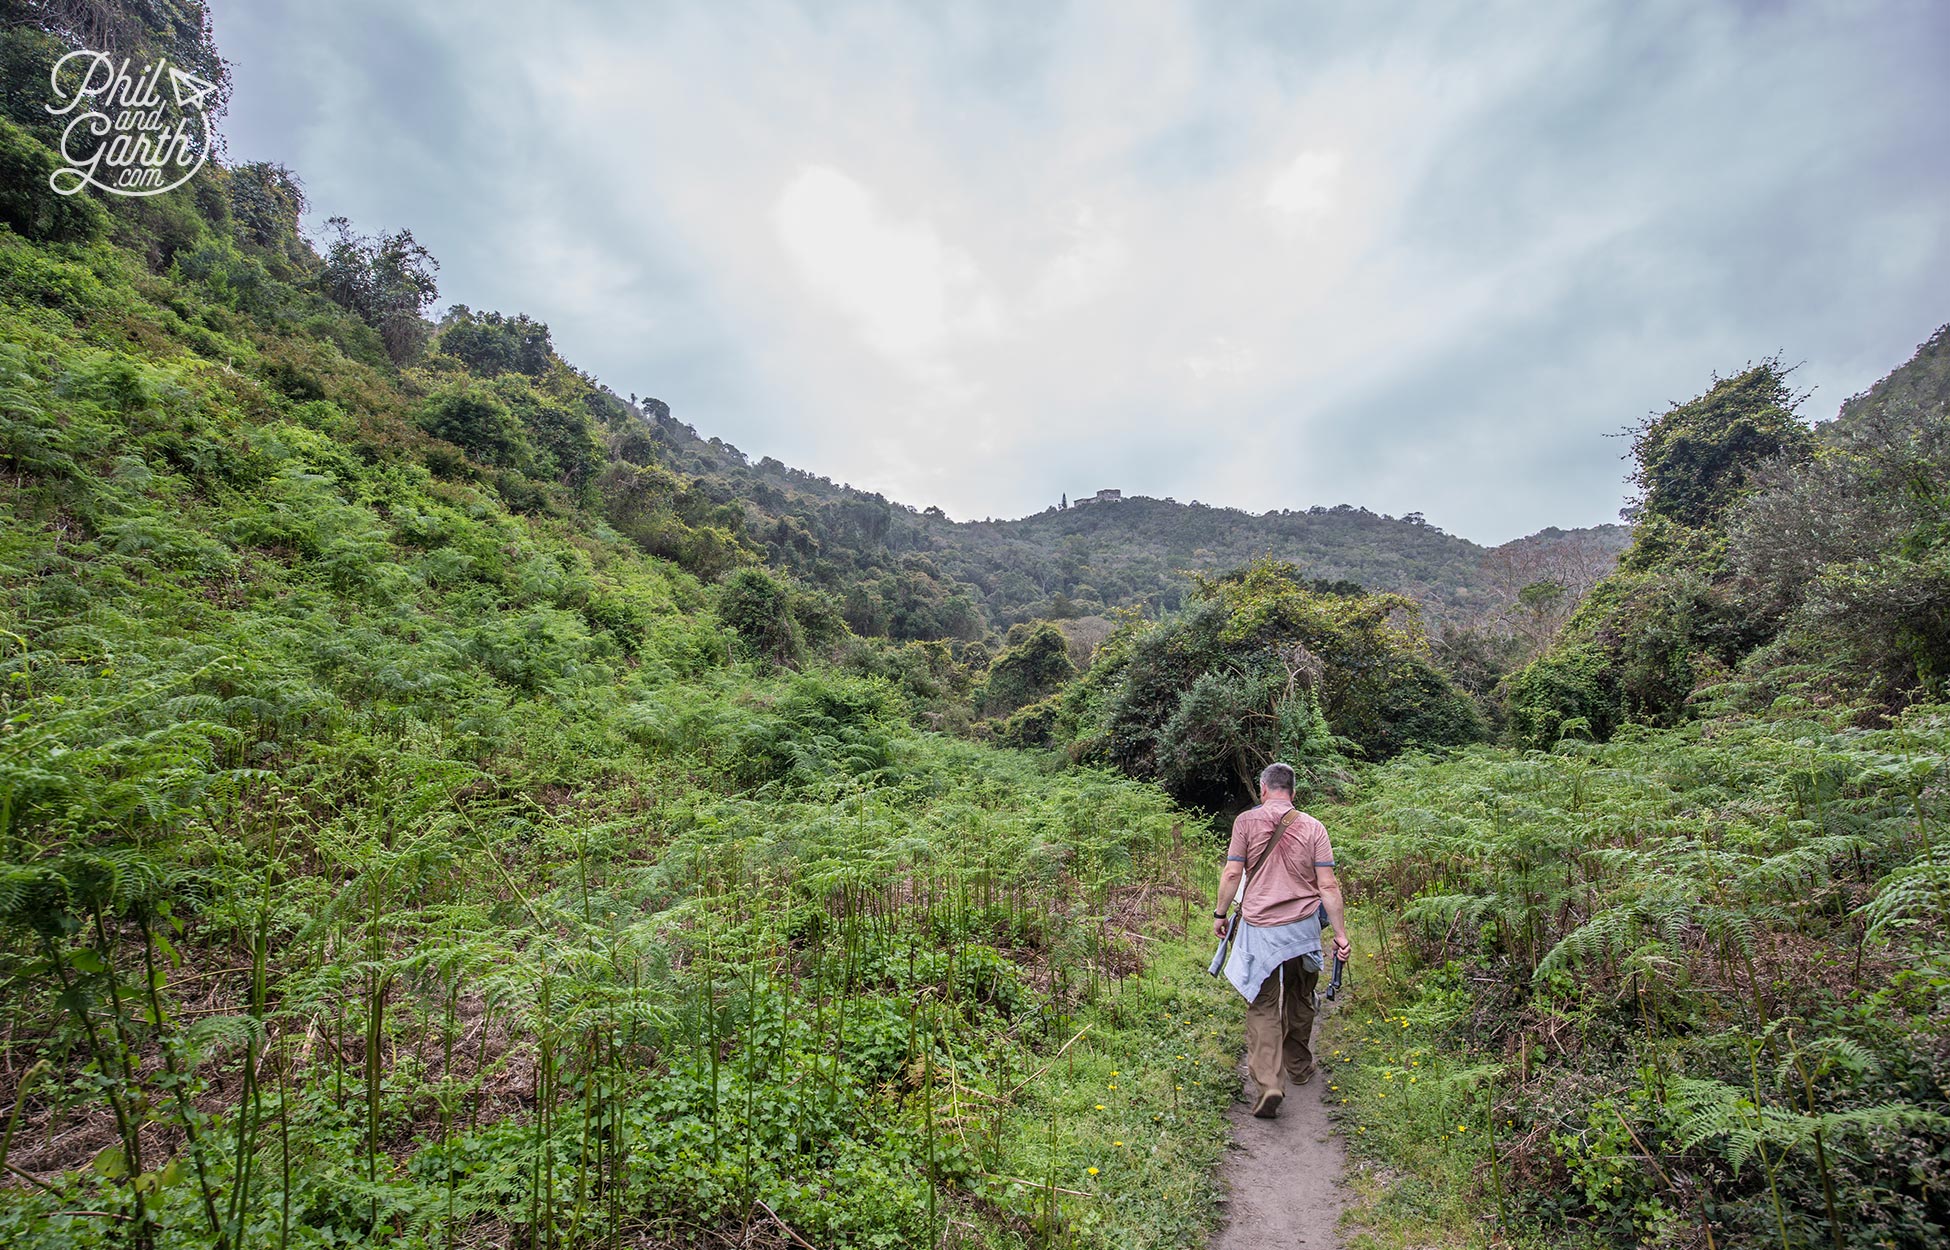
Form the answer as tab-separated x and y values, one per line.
388	282
1694	460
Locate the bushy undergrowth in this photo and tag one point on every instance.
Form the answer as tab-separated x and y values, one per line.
382	866
1767	561
1686	988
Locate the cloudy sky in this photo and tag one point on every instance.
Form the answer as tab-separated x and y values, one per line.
1413	257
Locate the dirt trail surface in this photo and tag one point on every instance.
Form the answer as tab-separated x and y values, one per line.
1283	1176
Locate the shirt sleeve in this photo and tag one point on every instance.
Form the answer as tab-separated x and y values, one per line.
1236	849
1323	848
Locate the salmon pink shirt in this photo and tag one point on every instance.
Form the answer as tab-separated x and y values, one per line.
1287	886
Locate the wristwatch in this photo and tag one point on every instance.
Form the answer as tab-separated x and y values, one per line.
1220	915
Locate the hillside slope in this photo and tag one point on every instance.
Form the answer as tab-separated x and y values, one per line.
1769	560
393	853
1675	974
1092	557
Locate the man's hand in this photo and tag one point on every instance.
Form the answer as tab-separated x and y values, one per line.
1330	898
1219	926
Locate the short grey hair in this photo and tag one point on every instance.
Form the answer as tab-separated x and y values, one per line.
1277	776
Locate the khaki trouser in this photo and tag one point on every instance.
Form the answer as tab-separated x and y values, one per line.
1280	1028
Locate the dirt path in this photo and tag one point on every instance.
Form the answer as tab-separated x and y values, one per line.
1283	1175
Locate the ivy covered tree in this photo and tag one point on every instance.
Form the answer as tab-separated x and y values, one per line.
1694	461
758	609
388	282
1035	667
490	344
776	621
1850	550
267	205
1672	617
1265	664
476	420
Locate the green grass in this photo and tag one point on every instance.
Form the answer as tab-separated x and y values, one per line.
1414	1108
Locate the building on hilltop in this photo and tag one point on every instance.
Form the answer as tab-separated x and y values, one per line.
1102	496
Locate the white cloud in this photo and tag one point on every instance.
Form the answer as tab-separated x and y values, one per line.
1223	360
909	292
1307	187
1085	271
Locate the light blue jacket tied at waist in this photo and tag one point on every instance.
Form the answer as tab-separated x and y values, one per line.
1258	951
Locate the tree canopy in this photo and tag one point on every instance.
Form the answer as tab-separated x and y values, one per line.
1265	665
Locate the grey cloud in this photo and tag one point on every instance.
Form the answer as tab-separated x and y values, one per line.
1550	221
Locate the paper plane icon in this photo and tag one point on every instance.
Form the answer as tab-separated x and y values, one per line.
189	89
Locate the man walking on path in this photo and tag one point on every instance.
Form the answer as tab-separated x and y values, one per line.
1288	865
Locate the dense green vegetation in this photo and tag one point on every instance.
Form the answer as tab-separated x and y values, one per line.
394	850
1686	987
444	802
1767	560
388	866
1688	980
1264	666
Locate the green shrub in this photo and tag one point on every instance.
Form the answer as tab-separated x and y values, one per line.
1030	670
1265	665
477	421
28	202
757	608
1032	726
1568	689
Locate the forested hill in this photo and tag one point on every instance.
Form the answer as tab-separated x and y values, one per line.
1135	549
907	572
